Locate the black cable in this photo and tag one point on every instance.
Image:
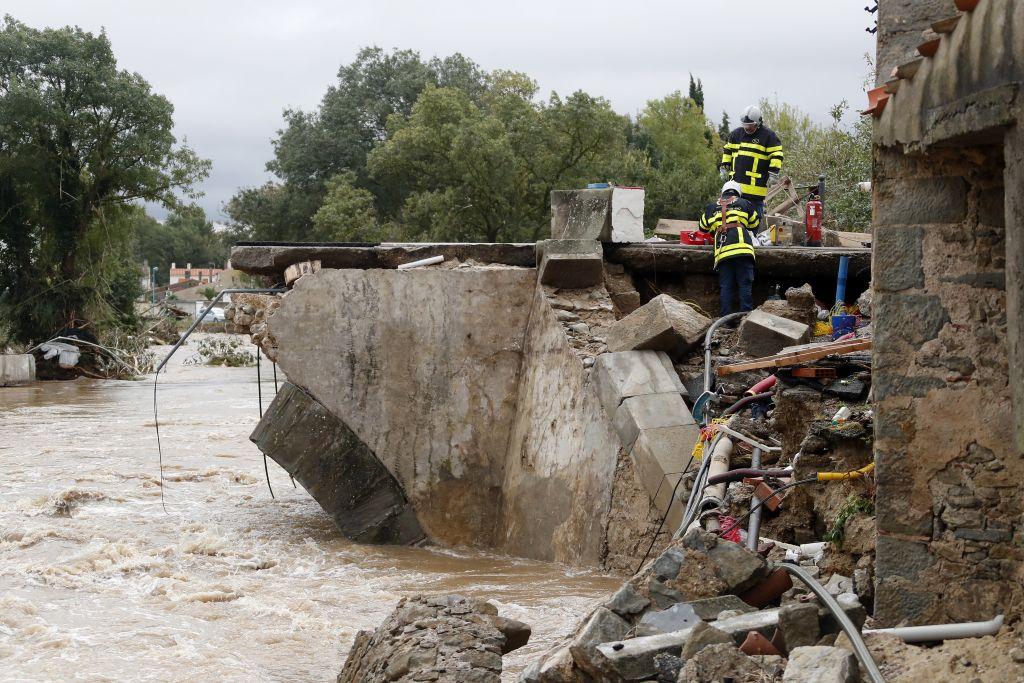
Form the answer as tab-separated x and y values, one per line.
259	394
275	393
159	447
671	500
739	520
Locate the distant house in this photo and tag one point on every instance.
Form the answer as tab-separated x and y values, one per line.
204	276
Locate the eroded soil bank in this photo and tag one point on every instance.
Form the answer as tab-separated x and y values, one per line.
97	582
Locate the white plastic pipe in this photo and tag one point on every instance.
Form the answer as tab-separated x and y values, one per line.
714	495
422	262
921	634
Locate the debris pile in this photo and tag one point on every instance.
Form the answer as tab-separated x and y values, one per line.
690	615
447	638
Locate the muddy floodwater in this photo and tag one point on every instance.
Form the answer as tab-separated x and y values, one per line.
98	583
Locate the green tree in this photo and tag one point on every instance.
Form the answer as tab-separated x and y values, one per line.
697	92
724	128
680	173
79	141
841	153
347	214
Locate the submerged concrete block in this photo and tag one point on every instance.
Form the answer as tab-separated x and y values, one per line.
581	214
570	263
17	369
619	376
627	214
342	474
764	334
662	324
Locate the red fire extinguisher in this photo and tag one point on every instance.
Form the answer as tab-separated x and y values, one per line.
813	211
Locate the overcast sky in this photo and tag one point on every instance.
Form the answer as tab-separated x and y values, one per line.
230	68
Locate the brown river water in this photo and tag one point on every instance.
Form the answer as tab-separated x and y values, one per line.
98	583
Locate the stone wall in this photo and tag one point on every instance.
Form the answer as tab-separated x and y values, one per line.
949	501
948	268
900	23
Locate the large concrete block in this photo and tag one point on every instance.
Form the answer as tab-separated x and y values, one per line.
570	263
662	324
619	376
627	214
660	454
341	473
17	369
764	334
581	214
650	412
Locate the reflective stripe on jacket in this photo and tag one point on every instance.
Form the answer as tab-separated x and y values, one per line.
751	157
737	237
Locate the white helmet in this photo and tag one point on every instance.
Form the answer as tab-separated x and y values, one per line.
732	186
751	114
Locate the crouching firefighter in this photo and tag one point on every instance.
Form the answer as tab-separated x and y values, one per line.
732	220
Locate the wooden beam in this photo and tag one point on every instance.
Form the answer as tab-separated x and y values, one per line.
796	357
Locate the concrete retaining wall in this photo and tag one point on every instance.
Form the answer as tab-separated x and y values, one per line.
562	452
423	366
17	369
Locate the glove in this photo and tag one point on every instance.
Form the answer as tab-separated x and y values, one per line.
773	176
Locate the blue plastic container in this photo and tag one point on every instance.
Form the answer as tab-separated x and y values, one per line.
843	324
597	186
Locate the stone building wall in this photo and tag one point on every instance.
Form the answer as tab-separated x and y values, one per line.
900	23
947	274
949	501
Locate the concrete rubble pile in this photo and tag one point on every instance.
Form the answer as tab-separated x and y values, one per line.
447	638
688	616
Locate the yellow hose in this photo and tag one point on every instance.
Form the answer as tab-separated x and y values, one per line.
846	476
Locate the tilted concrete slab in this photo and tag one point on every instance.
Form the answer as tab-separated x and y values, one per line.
764	334
662	324
341	473
630	373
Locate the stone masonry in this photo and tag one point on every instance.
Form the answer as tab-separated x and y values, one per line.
947	272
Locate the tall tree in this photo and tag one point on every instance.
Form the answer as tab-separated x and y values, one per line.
697	92
79	141
724	128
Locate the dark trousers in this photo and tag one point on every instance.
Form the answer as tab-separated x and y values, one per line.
758	203
736	277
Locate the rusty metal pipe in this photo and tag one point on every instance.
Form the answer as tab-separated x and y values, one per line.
744	472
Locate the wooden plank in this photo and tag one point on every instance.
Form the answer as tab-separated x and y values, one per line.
797	357
671	227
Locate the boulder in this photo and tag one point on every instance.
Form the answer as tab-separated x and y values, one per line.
603	626
701	637
738	567
708	609
675	618
662	324
627	601
721	662
764	334
798	623
819	664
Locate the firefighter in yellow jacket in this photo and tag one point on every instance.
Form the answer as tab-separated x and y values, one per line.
752	157
733	220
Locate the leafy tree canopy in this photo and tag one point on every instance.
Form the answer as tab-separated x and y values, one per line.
80	140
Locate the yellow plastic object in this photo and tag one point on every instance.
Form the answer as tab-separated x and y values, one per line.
821	328
846	476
